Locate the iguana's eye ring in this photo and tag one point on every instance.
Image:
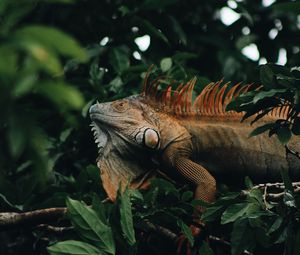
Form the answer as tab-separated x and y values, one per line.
148	138
120	106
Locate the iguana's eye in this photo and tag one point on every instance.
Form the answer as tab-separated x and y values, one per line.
149	138
120	106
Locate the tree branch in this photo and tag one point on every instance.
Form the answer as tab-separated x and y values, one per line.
11	219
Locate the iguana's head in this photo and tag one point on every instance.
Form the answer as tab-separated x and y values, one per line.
127	136
129	119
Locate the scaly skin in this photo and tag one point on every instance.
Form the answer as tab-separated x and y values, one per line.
137	135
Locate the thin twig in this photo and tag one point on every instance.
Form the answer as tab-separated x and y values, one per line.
54	229
225	243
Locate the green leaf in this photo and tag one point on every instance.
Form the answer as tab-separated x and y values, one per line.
16	136
270	93
296	126
287	7
119	59
234	212
126	217
242	237
284	134
90	227
178	30
266	76
165	64
261	129
212	213
61	94
244	41
156	4
182	56
115	85
152	30
186	231
187	195
73	247
296	250
99	208
45	57
205	249
276	224
54	39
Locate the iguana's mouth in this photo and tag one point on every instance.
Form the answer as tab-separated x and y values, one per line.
100	137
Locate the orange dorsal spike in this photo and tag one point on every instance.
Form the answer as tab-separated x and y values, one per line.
199	101
146	80
179	103
206	108
189	96
219	99
212	98
229	95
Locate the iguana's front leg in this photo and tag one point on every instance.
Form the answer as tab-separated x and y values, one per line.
176	157
198	175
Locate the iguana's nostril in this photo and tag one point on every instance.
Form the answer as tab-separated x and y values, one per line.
93	108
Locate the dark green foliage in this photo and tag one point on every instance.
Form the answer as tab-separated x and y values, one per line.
58	56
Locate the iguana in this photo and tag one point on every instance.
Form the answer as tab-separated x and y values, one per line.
195	139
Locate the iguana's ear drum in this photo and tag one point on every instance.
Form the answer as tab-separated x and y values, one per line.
149	138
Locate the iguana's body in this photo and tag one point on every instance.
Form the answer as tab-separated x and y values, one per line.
199	140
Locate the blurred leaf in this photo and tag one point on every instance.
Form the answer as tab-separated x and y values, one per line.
119	59
115	85
156	4
261	129
178	30
293	7
8	60
270	93
61	94
248	183
234	212
47	59
245	40
182	56
24	85
187	195
241	237
165	64
16	137
296	248
73	247
284	134
54	39
152	30
296	126
126	217
266	76
205	249
90	227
